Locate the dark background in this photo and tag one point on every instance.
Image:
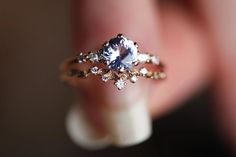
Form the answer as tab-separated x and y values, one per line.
34	39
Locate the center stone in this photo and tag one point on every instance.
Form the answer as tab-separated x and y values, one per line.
119	53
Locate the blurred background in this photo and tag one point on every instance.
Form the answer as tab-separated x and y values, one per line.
34	39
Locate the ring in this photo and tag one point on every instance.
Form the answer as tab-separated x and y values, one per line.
115	61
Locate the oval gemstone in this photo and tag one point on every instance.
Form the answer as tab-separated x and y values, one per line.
119	53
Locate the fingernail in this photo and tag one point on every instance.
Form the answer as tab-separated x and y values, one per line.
82	132
129	124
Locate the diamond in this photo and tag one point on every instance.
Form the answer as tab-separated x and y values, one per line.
120	84
155	60
133	78
93	57
105	78
142	57
162	75
120	53
143	71
94	70
155	75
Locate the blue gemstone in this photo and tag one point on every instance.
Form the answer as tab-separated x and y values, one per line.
120	53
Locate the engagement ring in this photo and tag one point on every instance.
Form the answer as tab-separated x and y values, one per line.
118	60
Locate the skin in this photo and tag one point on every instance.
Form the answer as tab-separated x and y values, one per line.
196	41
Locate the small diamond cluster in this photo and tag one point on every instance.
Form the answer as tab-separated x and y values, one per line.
147	58
119	78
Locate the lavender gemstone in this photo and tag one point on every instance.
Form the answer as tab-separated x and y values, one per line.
120	53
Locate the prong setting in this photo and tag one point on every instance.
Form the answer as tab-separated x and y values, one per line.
120	35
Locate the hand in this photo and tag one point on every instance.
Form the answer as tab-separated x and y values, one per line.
195	40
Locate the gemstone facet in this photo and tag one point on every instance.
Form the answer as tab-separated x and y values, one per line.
119	53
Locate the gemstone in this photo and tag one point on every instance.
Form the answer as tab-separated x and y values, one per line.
94	70
155	60
120	84
156	75
119	53
105	78
133	78
142	57
93	57
143	71
162	75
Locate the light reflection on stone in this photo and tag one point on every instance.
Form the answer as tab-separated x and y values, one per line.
120	53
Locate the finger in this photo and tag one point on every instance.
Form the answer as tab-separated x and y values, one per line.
94	23
222	23
186	51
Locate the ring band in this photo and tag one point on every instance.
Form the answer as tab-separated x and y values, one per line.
119	55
